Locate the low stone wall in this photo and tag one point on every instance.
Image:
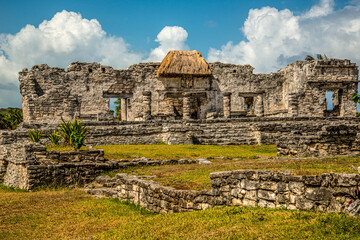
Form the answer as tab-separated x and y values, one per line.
28	166
293	136
151	195
326	192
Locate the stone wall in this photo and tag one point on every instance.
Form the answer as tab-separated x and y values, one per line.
84	89
326	192
293	136
28	166
306	84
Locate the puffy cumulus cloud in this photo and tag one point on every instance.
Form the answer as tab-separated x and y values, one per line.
67	37
324	8
169	38
276	38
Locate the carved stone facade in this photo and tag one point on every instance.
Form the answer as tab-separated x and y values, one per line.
228	91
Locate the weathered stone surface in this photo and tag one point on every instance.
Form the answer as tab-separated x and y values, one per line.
50	93
297	187
318	194
224	192
302	203
266	195
354	208
287	108
29	165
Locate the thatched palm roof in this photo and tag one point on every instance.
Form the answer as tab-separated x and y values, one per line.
179	63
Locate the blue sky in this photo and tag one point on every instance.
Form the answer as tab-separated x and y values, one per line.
267	34
209	23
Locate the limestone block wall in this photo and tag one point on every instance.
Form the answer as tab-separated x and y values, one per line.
152	195
326	192
306	84
84	89
300	136
293	136
27	166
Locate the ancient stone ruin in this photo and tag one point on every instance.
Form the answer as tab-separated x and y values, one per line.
185	86
182	100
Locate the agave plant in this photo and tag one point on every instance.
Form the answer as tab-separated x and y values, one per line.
73	133
35	135
54	137
65	131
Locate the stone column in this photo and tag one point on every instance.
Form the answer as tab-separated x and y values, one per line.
242	103
186	106
227	104
147	105
123	109
259	106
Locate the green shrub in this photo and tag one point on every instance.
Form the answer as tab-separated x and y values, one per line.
54	137
73	133
11	119
65	131
78	141
35	135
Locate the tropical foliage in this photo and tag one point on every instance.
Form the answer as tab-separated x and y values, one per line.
11	118
73	133
356	97
318	56
35	135
118	109
54	137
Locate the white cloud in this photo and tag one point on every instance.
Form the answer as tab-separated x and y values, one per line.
169	38
67	37
276	38
325	7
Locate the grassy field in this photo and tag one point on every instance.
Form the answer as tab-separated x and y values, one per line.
72	214
239	157
114	152
197	177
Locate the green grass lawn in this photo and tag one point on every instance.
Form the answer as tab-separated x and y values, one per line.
114	152
72	214
196	176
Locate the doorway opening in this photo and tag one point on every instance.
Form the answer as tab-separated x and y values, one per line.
329	100
115	108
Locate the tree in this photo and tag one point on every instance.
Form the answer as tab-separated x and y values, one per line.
309	58
318	56
118	109
356	97
11	118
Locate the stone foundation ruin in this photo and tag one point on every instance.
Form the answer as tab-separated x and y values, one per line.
270	189
182	100
185	86
305	108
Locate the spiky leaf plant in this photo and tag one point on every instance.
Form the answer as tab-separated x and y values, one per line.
35	135
54	137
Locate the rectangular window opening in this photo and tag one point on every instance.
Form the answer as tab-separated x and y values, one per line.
249	102
329	100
